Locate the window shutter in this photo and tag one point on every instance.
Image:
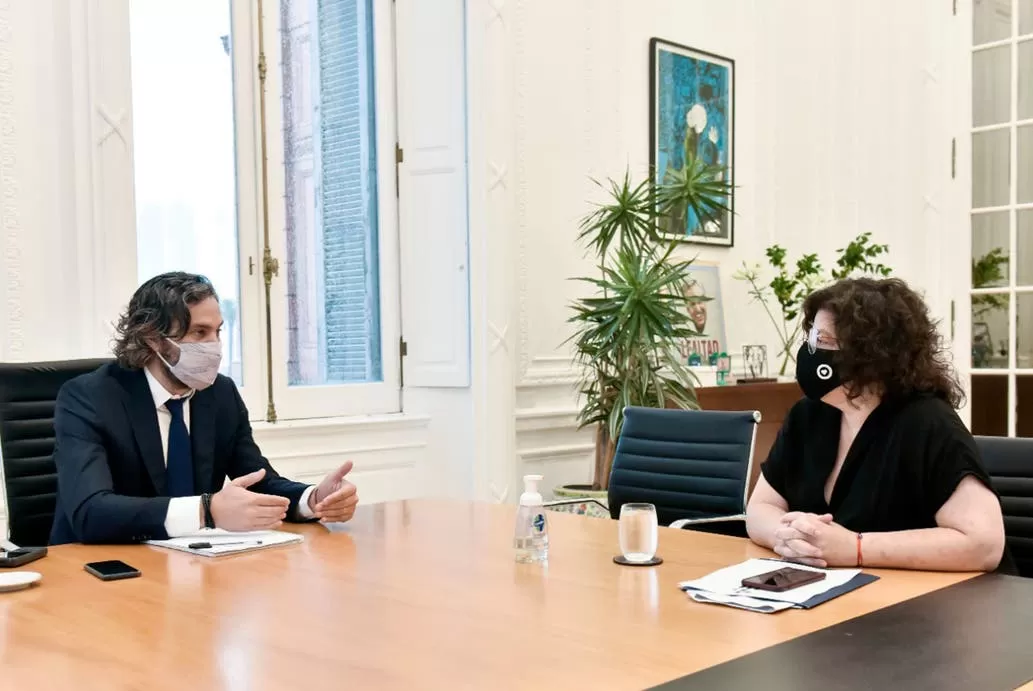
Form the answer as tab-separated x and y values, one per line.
432	205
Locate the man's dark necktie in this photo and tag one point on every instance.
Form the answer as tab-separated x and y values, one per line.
179	468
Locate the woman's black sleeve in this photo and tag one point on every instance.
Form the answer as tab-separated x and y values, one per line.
951	454
776	467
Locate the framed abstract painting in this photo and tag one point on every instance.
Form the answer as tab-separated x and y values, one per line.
692	109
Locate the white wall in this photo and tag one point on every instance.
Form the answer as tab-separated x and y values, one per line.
839	129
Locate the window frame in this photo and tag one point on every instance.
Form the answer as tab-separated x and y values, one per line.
247	145
1012	207
249	207
336	400
260	348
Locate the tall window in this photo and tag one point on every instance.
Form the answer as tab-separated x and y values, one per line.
333	308
1002	217
329	135
184	151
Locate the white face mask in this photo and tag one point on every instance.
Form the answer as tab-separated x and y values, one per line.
198	364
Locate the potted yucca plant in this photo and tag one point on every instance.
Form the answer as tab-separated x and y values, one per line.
628	329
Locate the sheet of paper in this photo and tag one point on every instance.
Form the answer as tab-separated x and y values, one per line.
226	542
728	581
740	601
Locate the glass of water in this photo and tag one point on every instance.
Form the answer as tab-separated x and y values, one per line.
638	532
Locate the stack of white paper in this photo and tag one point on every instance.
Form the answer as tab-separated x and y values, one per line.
216	542
725	586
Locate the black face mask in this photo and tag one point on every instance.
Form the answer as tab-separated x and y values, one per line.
816	372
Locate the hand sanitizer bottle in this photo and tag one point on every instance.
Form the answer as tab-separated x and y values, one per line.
531	536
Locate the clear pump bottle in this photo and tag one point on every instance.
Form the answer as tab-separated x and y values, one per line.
531	534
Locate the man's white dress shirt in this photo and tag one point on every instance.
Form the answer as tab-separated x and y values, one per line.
184	514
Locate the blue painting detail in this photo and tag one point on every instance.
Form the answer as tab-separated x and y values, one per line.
693	113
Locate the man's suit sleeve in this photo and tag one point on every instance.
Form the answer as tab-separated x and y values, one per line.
84	481
247	458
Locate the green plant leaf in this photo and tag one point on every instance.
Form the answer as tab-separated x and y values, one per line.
698	186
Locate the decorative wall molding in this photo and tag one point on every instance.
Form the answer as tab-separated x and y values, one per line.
113	125
499	337
549	441
519	107
392	453
491	28
350	452
549	370
496	14
12	345
102	206
545	454
304	429
536	419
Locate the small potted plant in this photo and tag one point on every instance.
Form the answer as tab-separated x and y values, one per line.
627	331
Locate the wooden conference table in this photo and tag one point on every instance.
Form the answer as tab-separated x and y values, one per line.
417	594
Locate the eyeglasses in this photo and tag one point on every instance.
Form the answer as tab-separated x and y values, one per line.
815	340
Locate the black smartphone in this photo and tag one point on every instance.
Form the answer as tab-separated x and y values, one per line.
12	558
113	570
783	579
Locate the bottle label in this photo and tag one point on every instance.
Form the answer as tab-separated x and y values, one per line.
539	522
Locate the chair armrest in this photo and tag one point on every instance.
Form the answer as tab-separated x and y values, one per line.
592	507
683	522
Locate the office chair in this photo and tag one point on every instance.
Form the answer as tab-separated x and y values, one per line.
28	392
693	465
1009	461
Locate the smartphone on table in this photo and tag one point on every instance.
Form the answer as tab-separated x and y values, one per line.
13	558
783	579
112	570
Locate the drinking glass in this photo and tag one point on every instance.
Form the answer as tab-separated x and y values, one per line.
638	532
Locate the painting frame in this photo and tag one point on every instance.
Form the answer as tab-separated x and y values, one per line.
726	235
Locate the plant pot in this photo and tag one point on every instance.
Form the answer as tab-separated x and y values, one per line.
605	448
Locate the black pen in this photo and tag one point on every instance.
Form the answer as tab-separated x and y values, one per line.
210	545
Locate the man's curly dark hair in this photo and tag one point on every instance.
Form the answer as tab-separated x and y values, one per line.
887	341
160	308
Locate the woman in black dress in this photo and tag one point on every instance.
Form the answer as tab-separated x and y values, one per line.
874	467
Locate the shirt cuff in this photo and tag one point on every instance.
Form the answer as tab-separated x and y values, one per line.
183	517
304	511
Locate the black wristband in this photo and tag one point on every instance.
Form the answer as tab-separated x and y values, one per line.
206	503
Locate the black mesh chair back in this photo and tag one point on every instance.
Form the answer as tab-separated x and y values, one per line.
693	465
1009	461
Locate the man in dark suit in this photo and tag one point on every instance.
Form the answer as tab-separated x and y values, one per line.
144	445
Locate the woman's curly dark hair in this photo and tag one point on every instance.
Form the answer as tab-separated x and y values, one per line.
887	341
160	308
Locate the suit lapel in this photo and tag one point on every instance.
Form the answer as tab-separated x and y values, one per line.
143	418
202	438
